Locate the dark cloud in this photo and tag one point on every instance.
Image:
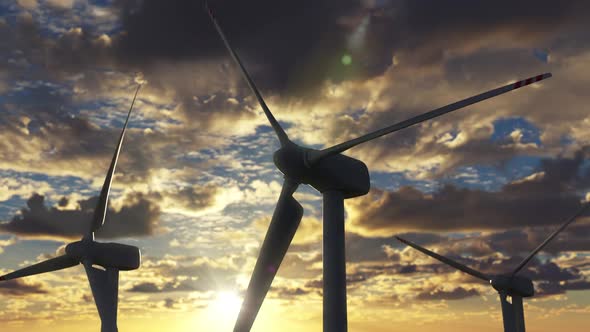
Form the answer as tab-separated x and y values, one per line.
316	283
288	293
574	238
429	29
366	249
289	48
54	137
549	277
545	200
551	272
176	286
145	287
194	198
492	254
458	293
301	43
169	303
554	288
362	249
138	216
290	39
17	287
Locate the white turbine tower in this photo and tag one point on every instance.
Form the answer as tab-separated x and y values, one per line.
511	287
102	261
337	177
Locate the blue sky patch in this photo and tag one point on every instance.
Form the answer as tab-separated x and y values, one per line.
505	126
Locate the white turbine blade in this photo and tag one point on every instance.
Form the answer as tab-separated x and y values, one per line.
105	290
53	264
282	228
553	235
283	138
446	260
315	156
101	208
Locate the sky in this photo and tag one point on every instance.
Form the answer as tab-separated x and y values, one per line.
196	186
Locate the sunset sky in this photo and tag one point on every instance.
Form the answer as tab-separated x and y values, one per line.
196	186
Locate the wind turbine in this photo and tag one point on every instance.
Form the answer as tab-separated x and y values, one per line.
102	261
511	287
337	177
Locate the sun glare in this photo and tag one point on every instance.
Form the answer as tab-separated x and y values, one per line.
226	303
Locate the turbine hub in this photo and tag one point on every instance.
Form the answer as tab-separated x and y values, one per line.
513	285
334	173
79	250
290	160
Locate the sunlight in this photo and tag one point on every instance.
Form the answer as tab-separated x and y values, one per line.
226	304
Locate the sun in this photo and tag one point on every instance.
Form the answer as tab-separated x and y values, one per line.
226	303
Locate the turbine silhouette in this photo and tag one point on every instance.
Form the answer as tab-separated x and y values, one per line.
102	261
337	177
511	287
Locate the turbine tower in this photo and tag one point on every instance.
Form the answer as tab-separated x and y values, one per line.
511	287
102	261
336	177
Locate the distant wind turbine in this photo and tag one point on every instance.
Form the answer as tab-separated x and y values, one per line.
102	261
337	177
511	287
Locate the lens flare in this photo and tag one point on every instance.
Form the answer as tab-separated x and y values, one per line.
346	60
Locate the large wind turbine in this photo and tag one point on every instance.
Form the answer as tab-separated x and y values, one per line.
511	287
337	177
102	261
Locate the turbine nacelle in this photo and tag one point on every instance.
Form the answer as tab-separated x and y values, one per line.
513	285
333	173
108	255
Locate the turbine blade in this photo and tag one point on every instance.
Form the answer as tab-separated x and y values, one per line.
284	223
446	260
103	201
283	138
315	156
105	290
53	264
553	235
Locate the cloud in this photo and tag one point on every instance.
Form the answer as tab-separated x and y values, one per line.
185	32
189	199
538	201
17	287
6	243
28	4
435	28
551	276
310	53
22	187
60	4
138	216
188	274
185	63
438	294
286	293
150	287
